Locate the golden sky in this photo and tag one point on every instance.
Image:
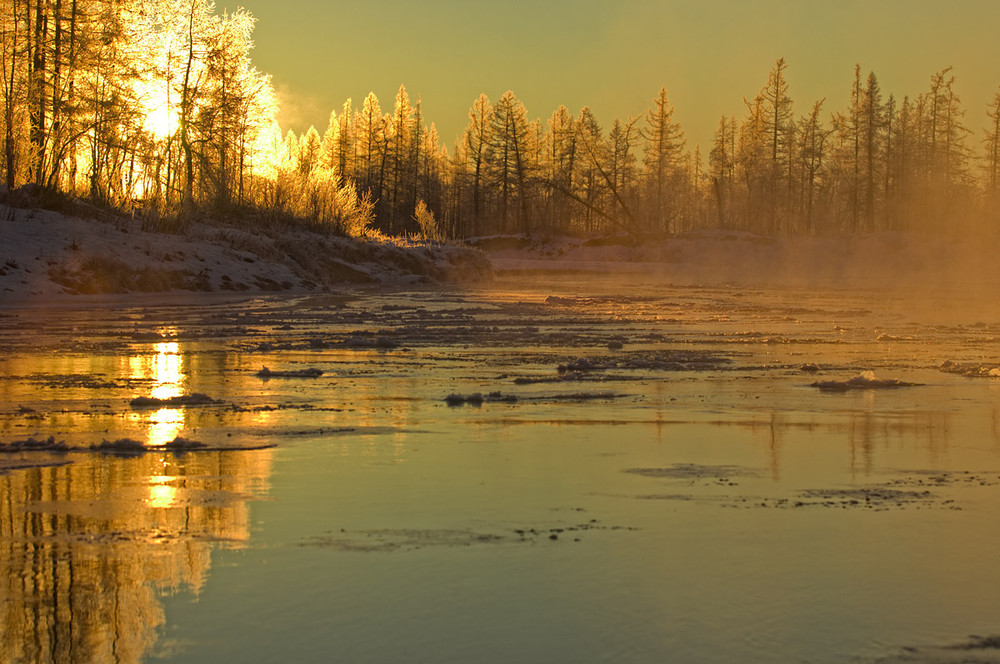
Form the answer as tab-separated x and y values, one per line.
613	55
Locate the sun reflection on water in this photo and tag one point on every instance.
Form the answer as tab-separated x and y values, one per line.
164	425
164	372
161	494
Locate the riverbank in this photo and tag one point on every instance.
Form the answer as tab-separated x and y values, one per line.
49	254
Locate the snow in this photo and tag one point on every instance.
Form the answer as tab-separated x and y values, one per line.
46	254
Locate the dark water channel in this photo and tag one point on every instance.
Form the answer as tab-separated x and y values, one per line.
648	476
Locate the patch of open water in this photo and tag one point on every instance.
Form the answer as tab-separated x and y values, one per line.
648	476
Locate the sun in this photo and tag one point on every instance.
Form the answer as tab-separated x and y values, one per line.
160	117
161	121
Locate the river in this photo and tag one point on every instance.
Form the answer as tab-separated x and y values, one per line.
627	470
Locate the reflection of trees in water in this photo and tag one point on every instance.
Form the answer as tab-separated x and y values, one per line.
866	432
86	549
925	430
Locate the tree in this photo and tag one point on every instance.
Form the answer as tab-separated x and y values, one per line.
722	162
777	123
753	165
992	143
344	156
812	139
871	126
560	158
399	149
590	183
663	155
509	166
310	151
328	148
847	152
477	139
370	134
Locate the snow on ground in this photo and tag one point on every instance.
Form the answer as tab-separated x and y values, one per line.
50	254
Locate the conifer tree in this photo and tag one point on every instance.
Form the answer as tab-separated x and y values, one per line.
663	155
477	141
399	149
511	134
722	164
310	151
812	139
370	131
872	123
560	157
992	144
328	149
346	145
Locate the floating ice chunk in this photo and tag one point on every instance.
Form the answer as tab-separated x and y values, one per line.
864	380
297	373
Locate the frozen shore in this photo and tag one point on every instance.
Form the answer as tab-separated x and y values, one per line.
47	254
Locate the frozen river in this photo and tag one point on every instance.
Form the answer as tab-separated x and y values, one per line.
648	475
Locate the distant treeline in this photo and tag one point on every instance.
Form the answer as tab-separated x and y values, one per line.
155	105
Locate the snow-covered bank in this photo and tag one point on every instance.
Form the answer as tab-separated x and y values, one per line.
880	259
49	254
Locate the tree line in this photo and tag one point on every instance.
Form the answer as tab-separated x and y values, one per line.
155	105
132	101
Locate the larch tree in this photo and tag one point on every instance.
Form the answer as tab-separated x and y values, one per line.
370	130
13	57
590	184
871	130
560	155
753	165
664	146
812	140
622	161
722	165
991	141
477	141
510	133
779	125
328	148
849	144
310	151
399	142
345	149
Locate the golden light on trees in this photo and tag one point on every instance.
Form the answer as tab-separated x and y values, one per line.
157	107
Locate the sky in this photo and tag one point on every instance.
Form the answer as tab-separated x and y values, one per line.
614	55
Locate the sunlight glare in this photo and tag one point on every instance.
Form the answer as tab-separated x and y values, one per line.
166	372
165	425
160	117
161	494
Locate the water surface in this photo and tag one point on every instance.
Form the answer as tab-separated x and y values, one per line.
687	496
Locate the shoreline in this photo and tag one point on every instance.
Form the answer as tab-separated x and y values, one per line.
52	256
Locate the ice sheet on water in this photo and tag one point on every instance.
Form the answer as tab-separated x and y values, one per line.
866	380
971	369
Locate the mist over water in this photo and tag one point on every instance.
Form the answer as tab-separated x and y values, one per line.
647	474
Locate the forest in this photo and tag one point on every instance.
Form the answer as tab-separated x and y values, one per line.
155	108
